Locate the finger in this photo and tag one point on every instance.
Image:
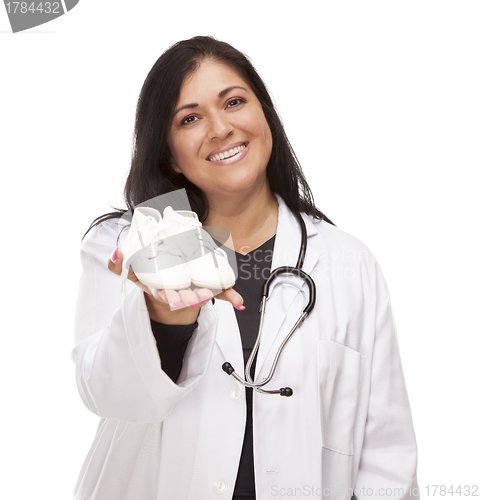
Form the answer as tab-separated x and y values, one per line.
114	264
189	298
203	294
170	297
233	297
115	261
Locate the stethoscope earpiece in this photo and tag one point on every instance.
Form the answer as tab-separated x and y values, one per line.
228	368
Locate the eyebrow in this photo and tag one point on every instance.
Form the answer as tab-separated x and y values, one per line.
227	90
220	95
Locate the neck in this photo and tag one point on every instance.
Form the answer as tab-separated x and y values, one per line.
251	220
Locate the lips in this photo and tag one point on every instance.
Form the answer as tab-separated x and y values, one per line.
227	151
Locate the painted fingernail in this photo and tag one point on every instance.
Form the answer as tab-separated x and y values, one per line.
192	305
206	300
114	255
174	304
240	308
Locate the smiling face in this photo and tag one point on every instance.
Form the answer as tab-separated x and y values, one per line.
219	138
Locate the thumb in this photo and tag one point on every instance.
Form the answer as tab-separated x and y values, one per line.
230	295
115	261
114	264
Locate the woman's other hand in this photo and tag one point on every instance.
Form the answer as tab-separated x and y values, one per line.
172	307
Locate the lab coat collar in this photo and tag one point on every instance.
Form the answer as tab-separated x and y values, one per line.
289	237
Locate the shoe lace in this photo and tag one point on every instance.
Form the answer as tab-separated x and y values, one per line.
204	245
152	231
201	234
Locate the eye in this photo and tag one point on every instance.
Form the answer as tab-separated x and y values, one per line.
235	102
189	119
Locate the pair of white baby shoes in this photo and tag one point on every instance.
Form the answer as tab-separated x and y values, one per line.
174	252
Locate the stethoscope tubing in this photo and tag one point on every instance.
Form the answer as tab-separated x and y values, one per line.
297	271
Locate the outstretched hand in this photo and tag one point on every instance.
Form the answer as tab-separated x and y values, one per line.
174	307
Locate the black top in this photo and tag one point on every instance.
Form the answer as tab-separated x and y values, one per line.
172	340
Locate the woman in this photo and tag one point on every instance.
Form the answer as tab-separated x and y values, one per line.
173	424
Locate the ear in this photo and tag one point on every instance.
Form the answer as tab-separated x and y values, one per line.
175	166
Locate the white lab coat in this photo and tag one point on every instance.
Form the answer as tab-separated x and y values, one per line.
346	430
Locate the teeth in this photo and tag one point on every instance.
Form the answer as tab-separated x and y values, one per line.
227	154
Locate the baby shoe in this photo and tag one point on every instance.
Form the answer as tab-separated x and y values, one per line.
154	259
207	263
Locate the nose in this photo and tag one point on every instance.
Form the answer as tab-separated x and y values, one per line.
220	127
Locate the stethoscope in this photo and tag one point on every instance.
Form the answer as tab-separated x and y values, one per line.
297	271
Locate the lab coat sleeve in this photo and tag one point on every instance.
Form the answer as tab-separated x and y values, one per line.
388	459
118	369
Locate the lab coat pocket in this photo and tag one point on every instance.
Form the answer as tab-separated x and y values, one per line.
340	372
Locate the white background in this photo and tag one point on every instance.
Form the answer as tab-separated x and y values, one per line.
381	103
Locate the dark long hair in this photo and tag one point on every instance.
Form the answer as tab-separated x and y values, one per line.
151	173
